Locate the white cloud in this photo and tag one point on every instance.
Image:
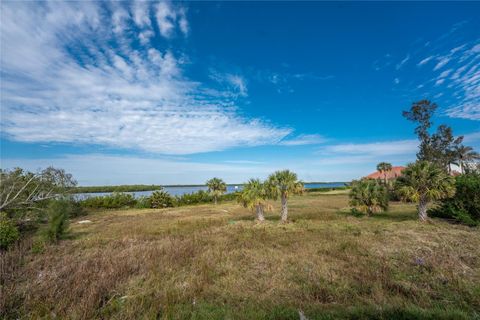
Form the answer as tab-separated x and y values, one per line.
304	139
459	84
234	82
396	147
114	169
238	82
441	62
465	111
473	137
401	63
166	18
169	17
107	169
425	61
465	80
141	14
81	77
445	73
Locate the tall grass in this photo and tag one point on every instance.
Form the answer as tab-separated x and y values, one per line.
215	262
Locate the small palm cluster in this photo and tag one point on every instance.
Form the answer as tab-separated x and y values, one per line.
280	184
369	196
421	182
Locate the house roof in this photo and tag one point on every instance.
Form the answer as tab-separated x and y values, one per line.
392	174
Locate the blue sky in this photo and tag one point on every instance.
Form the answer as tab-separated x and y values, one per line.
178	92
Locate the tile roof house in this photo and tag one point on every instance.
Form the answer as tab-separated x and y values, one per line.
392	174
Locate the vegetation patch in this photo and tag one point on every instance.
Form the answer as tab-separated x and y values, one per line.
190	262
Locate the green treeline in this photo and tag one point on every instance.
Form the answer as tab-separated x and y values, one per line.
121	188
158	199
153	187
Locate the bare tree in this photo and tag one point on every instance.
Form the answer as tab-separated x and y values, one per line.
21	189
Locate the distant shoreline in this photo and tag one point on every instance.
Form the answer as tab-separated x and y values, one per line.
143	187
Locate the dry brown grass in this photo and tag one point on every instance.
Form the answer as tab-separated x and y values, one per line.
208	261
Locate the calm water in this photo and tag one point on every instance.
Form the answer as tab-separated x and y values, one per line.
178	191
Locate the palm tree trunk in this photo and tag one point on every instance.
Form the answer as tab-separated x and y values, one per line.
215	199
284	208
461	167
260	215
422	210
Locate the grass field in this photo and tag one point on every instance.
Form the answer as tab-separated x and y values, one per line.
216	262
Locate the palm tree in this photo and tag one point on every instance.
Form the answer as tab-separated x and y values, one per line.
423	182
254	196
383	168
282	184
464	155
369	196
216	187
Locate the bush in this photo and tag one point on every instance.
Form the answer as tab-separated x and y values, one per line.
158	199
326	189
8	232
58	213
194	198
75	208
229	196
161	199
464	206
369	196
143	202
114	201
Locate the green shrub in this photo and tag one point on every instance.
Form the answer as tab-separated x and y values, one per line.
75	208
8	232
158	199
114	201
200	196
161	199
143	202
38	245
368	196
326	189
229	196
464	206
58	212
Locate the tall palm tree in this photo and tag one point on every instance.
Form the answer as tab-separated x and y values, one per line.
464	155
216	187
383	168
282	184
423	182
254	196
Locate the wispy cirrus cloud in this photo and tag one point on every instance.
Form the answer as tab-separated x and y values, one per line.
456	72
234	83
303	139
383	148
100	73
425	60
401	63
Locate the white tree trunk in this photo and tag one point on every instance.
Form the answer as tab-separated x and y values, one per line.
284	208
260	215
215	199
422	210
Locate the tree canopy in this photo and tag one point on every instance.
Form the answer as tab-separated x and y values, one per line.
21	189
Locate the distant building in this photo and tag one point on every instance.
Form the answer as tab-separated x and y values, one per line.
392	174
